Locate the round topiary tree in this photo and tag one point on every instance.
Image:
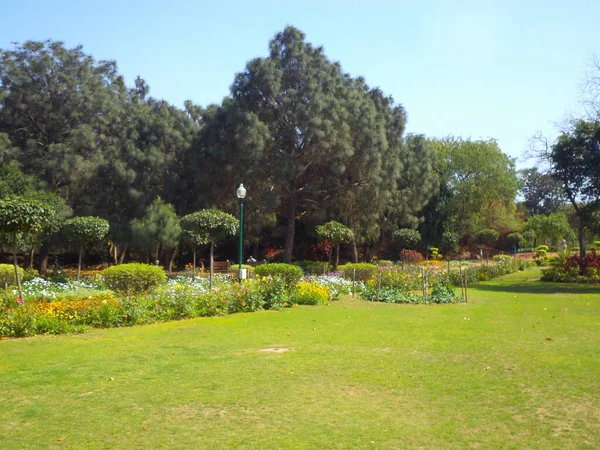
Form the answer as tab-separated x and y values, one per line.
190	227
407	239
85	231
515	240
22	218
487	235
212	225
337	234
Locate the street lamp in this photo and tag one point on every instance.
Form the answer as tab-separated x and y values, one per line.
241	194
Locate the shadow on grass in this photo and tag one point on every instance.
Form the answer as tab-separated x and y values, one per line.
538	287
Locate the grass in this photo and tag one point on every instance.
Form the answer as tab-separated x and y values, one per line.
515	368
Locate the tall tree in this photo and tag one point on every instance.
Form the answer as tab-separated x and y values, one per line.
575	160
542	193
482	184
85	231
158	229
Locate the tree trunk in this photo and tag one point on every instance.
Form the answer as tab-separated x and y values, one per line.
79	263
44	250
17	274
173	256
194	264
212	252
354	250
123	253
337	258
582	239
31	257
156	254
255	250
329	261
291	229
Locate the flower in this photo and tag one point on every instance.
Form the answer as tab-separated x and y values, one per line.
19	300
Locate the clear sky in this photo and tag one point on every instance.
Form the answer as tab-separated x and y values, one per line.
479	69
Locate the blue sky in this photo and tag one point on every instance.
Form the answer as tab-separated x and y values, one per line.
479	69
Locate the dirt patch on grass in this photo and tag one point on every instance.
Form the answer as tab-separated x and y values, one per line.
275	350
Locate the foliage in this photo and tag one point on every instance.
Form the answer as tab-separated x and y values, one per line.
410	257
313	267
8	276
574	269
444	294
515	240
502	258
22	215
364	271
307	293
449	242
487	235
575	161
542	192
158	227
334	232
407	238
551	228
289	274
133	278
389	295
478	187
85	230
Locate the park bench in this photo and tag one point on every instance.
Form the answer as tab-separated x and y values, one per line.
219	266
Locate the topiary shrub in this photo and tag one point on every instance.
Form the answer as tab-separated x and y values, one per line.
7	275
449	242
364	271
133	278
502	258
288	273
407	238
234	269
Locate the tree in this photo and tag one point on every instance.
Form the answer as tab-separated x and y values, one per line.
487	236
482	182
159	228
407	239
542	193
191	225
85	231
62	111
22	218
213	224
575	160
337	234
550	229
449	242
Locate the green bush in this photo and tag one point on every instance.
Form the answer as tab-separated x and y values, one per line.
407	238
133	278
287	273
235	268
7	274
313	267
502	258
364	271
384	262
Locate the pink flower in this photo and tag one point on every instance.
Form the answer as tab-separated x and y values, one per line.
19	300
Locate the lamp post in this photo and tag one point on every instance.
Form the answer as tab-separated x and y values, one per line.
241	194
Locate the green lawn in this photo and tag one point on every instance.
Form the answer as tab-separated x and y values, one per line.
518	367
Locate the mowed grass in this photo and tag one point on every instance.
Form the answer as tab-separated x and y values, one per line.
518	367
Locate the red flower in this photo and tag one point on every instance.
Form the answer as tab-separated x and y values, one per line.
19	300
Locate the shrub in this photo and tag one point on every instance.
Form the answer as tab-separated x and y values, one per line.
384	263
407	238
502	258
487	235
288	273
313	267
410	257
7	274
444	294
235	268
307	293
389	295
133	278
364	271
449	242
